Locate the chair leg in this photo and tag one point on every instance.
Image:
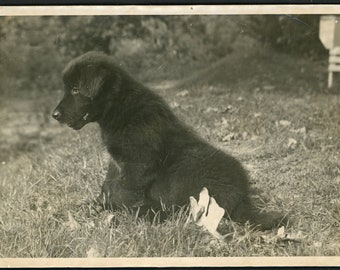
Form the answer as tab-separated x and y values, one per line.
330	79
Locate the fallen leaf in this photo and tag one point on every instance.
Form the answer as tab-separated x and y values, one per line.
72	223
268	87
299	130
225	122
229	137
284	123
268	239
292	143
317	244
108	219
196	211
186	107
174	105
206	212
183	93
93	253
298	236
284	236
227	109
214	217
90	224
200	207
211	109
337	180
281	232
335	245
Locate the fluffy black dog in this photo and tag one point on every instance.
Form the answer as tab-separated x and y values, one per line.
156	159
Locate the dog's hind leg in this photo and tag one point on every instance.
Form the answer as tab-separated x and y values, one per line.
245	211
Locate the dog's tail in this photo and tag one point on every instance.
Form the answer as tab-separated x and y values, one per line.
261	220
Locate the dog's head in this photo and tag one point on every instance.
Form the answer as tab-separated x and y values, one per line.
84	82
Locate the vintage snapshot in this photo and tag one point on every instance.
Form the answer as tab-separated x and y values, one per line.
147	138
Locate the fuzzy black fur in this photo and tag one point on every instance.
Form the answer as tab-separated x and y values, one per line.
156	159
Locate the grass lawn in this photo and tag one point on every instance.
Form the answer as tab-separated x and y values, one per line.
271	111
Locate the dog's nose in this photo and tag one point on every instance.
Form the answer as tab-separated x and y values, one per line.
56	114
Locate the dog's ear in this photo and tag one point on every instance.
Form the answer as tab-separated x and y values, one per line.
91	80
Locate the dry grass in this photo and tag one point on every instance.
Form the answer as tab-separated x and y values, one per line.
50	173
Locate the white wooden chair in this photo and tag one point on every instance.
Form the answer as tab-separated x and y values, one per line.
334	64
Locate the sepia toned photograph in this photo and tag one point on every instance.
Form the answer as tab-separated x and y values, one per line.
148	136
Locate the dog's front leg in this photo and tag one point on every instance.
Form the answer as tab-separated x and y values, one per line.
115	195
118	190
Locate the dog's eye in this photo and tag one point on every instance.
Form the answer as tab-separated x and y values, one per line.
75	90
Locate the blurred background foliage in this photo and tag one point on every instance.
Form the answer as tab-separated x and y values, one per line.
33	50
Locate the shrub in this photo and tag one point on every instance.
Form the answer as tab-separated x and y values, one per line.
292	34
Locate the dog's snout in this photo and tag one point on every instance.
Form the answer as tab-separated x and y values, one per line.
56	114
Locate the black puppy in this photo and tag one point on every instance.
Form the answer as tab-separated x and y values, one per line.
156	159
